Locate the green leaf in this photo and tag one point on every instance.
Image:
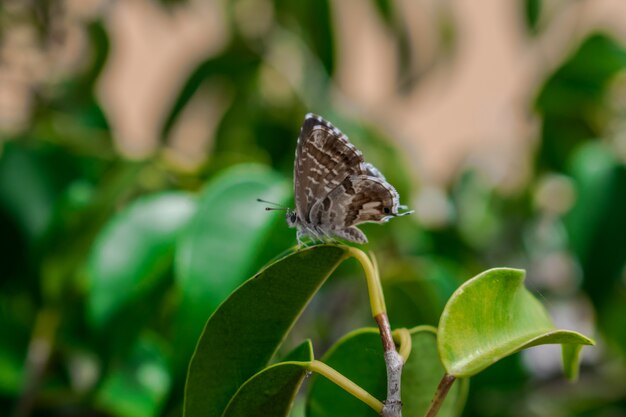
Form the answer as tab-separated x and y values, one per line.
532	10
15	325
272	391
246	330
138	387
218	250
421	376
313	23
134	250
359	356
596	223
575	96
492	316
302	352
27	189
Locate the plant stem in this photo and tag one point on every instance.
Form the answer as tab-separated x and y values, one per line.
442	390
374	288
394	364
403	339
37	358
349	386
393	361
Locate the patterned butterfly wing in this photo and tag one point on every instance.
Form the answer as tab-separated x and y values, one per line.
358	199
324	158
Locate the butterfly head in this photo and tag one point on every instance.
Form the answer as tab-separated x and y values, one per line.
292	218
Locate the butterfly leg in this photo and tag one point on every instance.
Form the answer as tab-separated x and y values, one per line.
316	234
299	235
327	236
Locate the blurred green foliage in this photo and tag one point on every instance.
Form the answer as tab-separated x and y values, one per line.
109	267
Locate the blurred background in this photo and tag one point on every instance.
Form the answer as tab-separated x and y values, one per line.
136	135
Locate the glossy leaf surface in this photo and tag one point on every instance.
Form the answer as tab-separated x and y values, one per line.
492	316
244	333
271	392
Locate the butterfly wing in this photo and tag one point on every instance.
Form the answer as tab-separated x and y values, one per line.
357	199
324	158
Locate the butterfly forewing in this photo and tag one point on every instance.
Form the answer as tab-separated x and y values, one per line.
324	158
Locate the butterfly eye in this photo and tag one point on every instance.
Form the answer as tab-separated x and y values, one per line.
386	210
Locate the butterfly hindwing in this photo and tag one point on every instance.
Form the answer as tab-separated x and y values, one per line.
357	199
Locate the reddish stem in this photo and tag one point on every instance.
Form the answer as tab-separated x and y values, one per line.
440	395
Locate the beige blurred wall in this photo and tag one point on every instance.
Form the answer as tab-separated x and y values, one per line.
468	106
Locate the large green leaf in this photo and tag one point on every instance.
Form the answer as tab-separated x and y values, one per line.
359	356
492	316
244	333
134	250
271	392
218	250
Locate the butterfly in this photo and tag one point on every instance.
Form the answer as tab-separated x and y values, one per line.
335	189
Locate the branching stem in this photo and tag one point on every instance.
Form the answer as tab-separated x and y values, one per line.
37	358
393	361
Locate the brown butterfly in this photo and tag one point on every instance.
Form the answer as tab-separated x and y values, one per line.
335	189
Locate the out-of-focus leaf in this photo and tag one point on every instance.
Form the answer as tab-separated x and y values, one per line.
237	64
597	224
532	10
272	391
26	190
246	330
134	250
596	227
492	316
478	219
218	250
416	290
138	386
312	20
611	321
385	9
13	344
77	97
359	356
572	96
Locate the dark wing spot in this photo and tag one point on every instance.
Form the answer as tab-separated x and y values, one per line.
386	210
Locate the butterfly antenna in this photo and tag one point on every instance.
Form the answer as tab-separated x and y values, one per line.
260	200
